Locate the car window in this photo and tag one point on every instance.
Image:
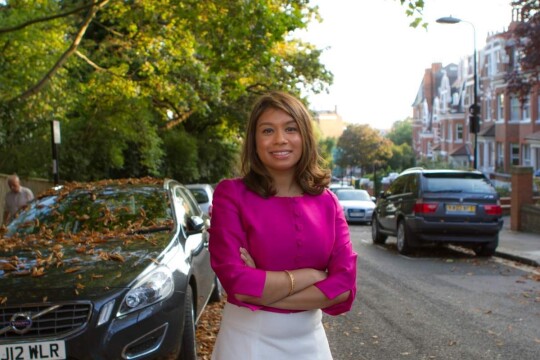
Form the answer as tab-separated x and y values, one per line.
187	207
472	183
411	183
200	195
353	195
96	210
397	186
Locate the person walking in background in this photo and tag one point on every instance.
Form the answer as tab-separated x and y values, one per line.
17	197
280	244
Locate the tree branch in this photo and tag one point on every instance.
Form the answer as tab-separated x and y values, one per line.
48	18
78	38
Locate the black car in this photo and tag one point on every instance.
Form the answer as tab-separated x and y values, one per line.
105	270
439	206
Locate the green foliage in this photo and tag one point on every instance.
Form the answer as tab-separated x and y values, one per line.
155	87
362	146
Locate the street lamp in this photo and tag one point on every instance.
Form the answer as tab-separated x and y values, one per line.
474	109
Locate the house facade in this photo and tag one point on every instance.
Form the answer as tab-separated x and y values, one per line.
509	133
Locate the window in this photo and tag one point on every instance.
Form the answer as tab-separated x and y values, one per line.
500	107
514	154
488	110
491	159
526	150
459	132
538	108
514	108
526	110
500	155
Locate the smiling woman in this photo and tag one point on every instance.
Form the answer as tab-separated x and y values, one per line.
279	241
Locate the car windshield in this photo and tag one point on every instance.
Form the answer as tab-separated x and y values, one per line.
470	183
353	195
125	209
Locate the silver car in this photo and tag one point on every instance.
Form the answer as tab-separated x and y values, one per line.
357	205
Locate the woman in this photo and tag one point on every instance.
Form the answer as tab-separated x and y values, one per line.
279	242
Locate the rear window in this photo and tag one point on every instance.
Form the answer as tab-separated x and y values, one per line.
457	182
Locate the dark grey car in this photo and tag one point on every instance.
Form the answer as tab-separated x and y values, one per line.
106	270
439	206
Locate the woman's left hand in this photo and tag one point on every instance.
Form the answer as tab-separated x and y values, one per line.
248	260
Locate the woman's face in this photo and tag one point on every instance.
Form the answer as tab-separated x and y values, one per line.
278	141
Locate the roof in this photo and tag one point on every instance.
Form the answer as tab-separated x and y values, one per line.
463	150
488	131
533	136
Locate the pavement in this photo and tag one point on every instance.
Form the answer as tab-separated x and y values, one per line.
519	246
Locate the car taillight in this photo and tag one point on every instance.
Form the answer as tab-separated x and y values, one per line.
493	209
210	210
425	208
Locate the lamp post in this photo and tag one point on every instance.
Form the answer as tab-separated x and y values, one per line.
474	109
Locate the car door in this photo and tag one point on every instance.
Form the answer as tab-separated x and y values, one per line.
196	243
389	203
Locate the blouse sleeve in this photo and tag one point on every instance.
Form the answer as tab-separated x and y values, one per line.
341	266
226	237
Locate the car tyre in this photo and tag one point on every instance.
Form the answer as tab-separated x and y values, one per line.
403	238
217	293
376	235
488	249
189	343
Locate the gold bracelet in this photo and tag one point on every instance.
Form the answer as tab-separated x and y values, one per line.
291	278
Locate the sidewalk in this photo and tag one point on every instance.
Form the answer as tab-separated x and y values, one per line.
519	246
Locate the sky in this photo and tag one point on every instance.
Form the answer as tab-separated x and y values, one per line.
378	61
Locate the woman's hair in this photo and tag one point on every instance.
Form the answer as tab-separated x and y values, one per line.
309	173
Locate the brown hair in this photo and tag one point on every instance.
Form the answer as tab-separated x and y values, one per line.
310	174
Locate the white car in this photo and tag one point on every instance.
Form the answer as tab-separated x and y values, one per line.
203	193
357	205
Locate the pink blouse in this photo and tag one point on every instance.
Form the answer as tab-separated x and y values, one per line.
280	233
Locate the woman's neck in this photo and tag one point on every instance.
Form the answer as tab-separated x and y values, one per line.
286	186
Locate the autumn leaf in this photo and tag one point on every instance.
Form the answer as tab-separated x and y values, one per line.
73	269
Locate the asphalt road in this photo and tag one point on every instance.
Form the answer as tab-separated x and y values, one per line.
438	303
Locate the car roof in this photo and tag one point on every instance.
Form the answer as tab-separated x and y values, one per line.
439	171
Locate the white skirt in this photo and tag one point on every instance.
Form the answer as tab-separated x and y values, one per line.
259	335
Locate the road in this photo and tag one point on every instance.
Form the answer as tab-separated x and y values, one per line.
438	303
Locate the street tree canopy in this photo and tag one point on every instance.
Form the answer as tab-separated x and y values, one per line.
362	146
126	78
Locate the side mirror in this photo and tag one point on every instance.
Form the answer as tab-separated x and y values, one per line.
195	224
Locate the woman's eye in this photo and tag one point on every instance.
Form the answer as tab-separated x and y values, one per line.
267	131
292	129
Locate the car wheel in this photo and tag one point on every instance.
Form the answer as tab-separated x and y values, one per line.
189	344
217	293
403	238
486	250
376	235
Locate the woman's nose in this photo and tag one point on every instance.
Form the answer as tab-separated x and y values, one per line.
280	137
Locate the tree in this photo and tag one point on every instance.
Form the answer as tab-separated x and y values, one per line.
362	146
526	40
402	152
126	77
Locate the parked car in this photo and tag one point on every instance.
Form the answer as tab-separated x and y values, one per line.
204	194
105	270
357	205
439	206
333	187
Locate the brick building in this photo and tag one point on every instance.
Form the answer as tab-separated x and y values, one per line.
510	130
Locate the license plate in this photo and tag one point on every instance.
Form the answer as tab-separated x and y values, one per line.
459	208
50	350
352	214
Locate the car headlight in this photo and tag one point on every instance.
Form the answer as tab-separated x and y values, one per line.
154	287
